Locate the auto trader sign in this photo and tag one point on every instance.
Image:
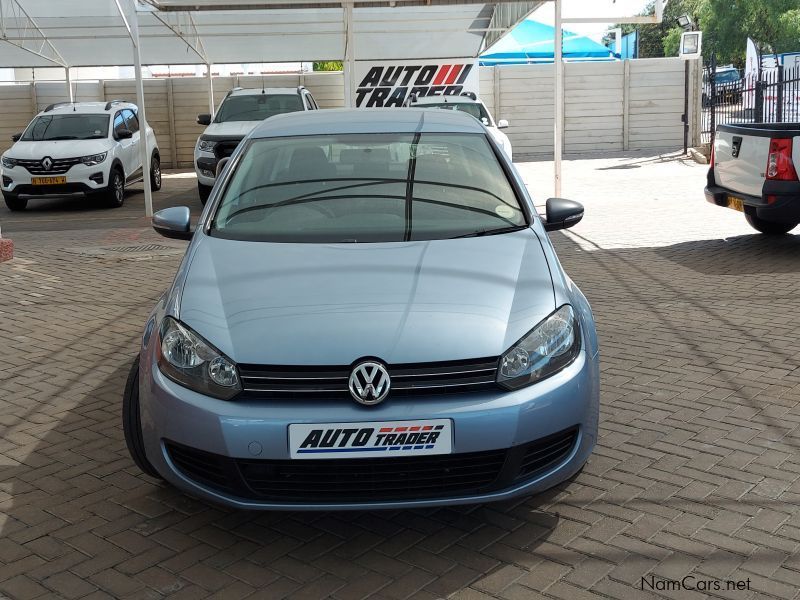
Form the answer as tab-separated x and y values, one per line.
389	83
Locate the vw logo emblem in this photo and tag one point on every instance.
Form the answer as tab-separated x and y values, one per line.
47	163
369	383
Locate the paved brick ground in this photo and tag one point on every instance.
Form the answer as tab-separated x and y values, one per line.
697	471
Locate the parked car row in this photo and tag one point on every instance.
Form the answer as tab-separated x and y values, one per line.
92	148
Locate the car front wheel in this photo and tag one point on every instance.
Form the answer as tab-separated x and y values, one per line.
14	202
132	422
770	227
155	174
115	192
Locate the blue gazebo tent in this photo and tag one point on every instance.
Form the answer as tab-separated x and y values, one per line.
532	42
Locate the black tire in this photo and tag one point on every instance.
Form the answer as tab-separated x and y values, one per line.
15	202
155	173
204	191
115	192
770	227
132	422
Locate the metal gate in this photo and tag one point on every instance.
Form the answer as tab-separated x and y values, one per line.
730	96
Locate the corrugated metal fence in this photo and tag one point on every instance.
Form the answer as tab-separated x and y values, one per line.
614	106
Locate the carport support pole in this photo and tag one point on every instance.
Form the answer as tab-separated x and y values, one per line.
558	65
349	56
143	149
69	84
210	90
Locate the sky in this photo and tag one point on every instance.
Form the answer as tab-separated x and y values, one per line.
590	8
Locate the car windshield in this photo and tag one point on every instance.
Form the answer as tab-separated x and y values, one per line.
257	107
75	126
475	109
367	188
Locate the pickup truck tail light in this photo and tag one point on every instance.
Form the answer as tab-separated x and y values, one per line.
780	165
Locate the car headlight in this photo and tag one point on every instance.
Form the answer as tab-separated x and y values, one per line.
545	350
206	145
94	159
9	163
189	360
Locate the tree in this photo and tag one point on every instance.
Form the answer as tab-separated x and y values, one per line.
329	65
774	26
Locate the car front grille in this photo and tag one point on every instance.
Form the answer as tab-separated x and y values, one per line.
225	148
374	479
271	382
59	166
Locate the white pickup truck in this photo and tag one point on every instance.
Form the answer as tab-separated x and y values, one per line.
753	171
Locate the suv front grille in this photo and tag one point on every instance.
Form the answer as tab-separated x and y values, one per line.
272	382
225	148
374	479
59	166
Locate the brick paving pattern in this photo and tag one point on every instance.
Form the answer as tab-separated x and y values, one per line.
697	471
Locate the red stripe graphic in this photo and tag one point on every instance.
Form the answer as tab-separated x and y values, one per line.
441	74
385	430
453	74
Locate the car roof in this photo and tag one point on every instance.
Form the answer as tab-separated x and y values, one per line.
87	107
367	120
267	91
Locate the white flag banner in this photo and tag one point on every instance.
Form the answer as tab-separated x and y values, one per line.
386	84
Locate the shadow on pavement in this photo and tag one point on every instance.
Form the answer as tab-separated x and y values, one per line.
79	516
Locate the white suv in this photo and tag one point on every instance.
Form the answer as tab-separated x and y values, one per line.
467	102
238	114
78	147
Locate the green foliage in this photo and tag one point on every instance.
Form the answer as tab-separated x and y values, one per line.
328	65
773	24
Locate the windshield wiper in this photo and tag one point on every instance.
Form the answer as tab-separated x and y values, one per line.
94	137
62	137
491	231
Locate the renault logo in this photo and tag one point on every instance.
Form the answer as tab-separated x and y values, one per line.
47	162
369	383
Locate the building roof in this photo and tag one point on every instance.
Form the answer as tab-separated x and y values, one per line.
78	33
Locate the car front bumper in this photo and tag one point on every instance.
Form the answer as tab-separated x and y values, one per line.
230	437
80	178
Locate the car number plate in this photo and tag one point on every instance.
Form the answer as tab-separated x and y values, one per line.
736	203
48	180
371	439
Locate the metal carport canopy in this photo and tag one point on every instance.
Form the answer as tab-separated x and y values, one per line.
84	33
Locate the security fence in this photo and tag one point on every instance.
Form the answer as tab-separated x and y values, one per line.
729	96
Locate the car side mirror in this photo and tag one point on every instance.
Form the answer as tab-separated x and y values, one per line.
174	223
502	124
204	119
124	134
221	165
15	137
562	213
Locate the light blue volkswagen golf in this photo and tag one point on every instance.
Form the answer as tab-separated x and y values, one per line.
369	315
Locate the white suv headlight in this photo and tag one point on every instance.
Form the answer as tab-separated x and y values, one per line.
94	159
189	360
206	145
545	350
9	163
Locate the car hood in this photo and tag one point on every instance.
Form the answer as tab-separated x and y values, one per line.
331	304
57	149
232	129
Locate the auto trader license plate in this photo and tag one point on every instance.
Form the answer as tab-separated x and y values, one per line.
48	180
371	440
736	203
